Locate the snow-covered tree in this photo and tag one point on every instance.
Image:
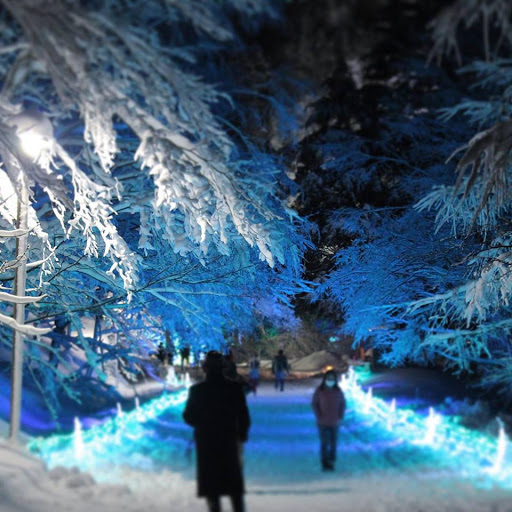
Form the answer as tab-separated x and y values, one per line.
379	150
470	323
146	190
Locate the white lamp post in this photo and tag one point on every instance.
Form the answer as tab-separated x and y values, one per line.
35	133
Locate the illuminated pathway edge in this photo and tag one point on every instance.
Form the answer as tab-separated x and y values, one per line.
477	456
483	459
83	447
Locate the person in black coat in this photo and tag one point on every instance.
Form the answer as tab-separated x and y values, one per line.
185	357
280	369
161	353
217	409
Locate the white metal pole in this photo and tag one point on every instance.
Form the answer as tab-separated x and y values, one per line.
19	311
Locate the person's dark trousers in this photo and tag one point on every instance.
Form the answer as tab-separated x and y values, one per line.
280	378
213	503
237	502
328	445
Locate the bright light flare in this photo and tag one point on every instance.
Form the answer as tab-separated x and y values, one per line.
35	133
433	421
78	440
501	450
34	145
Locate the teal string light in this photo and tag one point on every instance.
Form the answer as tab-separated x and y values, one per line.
476	454
83	447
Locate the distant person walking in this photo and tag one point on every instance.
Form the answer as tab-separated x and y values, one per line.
185	357
230	370
161	354
329	407
217	410
169	347
280	369
254	373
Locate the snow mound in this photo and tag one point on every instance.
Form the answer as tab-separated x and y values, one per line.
30	487
475	415
317	362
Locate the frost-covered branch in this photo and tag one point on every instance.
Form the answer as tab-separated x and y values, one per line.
493	15
15	299
28	330
481	193
187	154
487	154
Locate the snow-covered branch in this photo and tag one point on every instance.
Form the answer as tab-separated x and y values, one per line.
189	157
492	15
28	330
15	299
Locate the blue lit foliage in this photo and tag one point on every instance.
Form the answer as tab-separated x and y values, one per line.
435	281
470	323
204	303
387	265
190	237
390	253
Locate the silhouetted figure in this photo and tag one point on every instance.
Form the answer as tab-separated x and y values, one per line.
230	371
161	353
217	410
280	369
254	373
57	336
185	357
169	347
329	407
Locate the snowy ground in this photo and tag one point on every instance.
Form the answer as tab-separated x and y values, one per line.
376	470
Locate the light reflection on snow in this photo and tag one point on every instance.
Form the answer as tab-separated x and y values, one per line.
477	455
153	432
85	446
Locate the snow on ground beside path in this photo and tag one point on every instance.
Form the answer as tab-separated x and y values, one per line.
26	486
374	474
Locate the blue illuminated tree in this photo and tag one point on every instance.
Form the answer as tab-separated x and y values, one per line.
430	278
150	191
470	322
387	156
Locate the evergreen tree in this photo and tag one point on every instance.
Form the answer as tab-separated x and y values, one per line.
149	204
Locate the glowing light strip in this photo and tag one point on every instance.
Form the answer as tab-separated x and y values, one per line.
471	453
486	456
81	447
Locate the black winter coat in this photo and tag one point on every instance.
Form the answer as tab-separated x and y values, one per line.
217	410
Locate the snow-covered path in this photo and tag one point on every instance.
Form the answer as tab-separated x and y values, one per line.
376	471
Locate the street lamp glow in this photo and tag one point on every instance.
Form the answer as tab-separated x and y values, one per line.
35	133
33	145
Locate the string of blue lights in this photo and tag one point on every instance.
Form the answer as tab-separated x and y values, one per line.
473	454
